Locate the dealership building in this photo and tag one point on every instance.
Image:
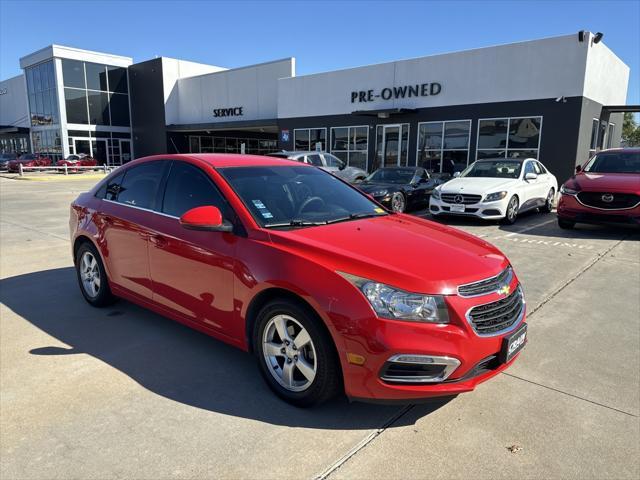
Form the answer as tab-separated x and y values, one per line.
557	99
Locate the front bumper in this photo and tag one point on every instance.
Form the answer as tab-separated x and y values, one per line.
378	340
569	208
486	210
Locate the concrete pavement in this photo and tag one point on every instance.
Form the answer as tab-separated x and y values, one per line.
124	393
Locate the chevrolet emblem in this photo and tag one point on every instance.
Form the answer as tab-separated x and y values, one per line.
505	290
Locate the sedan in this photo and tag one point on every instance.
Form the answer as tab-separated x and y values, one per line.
326	161
497	189
80	160
288	262
28	160
400	188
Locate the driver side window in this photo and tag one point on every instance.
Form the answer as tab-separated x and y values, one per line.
314	160
528	168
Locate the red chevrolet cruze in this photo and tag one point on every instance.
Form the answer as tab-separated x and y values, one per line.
606	190
329	290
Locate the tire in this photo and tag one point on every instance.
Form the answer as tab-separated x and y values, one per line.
89	268
315	374
398	202
511	214
566	224
548	204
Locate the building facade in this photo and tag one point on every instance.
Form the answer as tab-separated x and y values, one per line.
556	99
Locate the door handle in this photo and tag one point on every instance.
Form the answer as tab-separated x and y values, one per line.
158	240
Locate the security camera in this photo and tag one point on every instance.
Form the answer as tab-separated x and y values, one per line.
561	99
598	36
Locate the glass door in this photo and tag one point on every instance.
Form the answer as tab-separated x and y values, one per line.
391	146
99	147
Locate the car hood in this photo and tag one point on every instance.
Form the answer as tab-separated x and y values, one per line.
407	252
606	182
477	185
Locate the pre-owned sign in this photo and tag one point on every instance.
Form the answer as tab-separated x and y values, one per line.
228	112
404	91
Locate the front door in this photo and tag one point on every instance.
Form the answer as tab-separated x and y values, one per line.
391	146
192	272
100	151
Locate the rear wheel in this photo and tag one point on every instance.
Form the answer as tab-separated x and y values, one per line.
566	224
92	277
548	204
295	355
398	202
512	211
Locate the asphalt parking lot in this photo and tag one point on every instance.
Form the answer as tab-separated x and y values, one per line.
124	393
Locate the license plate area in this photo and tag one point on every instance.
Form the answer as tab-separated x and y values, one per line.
513	344
457	208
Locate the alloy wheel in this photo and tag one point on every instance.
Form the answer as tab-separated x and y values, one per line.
90	274
512	209
397	203
289	353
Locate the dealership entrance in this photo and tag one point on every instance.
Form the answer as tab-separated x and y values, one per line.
106	151
392	144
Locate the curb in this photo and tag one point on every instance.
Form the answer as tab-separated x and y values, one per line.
56	178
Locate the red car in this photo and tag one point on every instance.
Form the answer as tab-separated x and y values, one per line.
329	290
606	190
28	160
81	160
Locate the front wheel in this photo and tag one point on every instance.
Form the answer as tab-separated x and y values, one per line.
295	354
566	224
398	203
512	211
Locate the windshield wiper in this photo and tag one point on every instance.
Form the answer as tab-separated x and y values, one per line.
295	223
356	216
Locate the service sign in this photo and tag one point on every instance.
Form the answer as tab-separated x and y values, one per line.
228	112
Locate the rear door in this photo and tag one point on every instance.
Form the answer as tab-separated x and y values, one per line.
125	221
192	271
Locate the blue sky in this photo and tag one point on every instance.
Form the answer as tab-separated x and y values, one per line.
321	35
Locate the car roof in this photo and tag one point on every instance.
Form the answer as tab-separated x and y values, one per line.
621	150
222	160
520	159
296	152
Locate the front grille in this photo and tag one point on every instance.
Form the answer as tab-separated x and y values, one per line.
465	198
618	200
466	210
494	317
488	285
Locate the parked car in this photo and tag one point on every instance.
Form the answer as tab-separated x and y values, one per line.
400	188
28	160
5	158
326	161
497	189
607	189
81	160
328	290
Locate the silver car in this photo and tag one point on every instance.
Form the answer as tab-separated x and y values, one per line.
325	161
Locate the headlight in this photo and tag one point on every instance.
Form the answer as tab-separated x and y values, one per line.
379	193
390	302
492	197
568	191
436	193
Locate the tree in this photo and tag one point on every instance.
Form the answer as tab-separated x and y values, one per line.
630	131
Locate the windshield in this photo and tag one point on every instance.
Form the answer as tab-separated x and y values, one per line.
28	156
392	175
297	196
333	161
493	168
614	162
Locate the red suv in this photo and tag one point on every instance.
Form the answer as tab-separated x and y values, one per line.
329	290
607	189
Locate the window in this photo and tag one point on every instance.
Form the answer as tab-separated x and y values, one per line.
138	188
117	79
96	76
208	144
516	137
593	145
41	92
119	107
76	102
109	191
444	146
392	145
73	73
314	160
351	145
98	108
529	167
188	187
308	138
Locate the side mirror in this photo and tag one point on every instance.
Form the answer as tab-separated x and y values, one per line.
578	168
530	176
456	174
206	218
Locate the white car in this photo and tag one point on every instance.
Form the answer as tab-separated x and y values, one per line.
496	189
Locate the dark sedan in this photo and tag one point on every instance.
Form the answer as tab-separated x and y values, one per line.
400	188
